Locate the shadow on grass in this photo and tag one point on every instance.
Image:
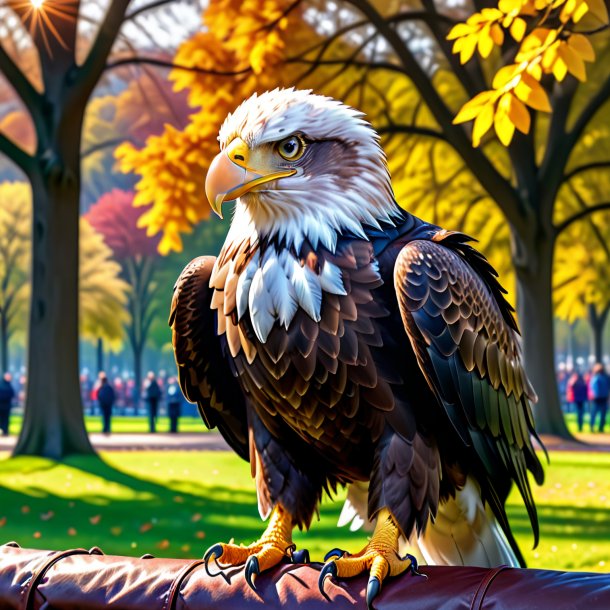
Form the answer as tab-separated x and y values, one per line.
586	524
93	503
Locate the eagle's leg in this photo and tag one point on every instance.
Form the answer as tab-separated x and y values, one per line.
380	557
275	544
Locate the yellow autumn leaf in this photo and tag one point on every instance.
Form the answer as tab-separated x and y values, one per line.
505	75
550	56
472	108
581	45
482	124
531	92
518	113
503	126
465	47
559	68
573	61
510	6
518	28
459	30
497	34
598	9
485	42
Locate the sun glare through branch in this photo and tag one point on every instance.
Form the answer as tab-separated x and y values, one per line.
39	17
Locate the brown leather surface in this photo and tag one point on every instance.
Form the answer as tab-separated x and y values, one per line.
51	580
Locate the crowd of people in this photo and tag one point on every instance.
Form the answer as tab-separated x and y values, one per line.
121	394
108	395
585	391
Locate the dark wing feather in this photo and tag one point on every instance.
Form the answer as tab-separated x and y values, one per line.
465	340
203	369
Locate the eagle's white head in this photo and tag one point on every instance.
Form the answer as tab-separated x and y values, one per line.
301	166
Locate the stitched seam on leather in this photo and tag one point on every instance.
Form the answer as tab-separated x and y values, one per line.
174	589
29	590
479	596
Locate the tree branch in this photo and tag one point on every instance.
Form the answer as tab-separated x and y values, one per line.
168	64
101	145
557	150
20	83
589	111
413	130
90	71
584	168
490	179
470	75
580	215
15	153
148	7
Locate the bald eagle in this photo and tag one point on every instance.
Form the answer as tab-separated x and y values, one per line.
339	340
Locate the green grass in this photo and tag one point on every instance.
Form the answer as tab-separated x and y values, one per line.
176	504
128	424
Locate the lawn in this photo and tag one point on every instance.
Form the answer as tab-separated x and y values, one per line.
128	424
139	424
177	504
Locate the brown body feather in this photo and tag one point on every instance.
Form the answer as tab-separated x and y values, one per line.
412	379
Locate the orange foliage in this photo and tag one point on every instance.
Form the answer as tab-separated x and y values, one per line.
242	44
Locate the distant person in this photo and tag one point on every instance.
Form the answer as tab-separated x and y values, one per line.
105	400
600	389
7	393
174	404
152	395
562	380
577	393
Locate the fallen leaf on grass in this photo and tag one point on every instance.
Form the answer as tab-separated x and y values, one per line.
25	509
116	531
200	535
95	519
178	499
185	548
37	535
72	531
145	527
196	517
46	516
3	522
164	544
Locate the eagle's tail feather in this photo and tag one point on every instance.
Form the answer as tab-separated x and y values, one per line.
465	532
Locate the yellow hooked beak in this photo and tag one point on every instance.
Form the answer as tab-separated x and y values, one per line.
230	175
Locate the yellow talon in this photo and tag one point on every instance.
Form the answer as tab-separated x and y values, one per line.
380	557
275	544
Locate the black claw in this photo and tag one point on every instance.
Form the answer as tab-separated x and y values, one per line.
414	566
300	556
336	552
213	551
372	591
252	569
329	569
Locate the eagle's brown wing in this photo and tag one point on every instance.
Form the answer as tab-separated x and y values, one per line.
203	369
465	340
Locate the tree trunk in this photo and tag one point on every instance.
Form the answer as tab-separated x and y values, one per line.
4	340
100	354
53	424
137	375
598	323
534	267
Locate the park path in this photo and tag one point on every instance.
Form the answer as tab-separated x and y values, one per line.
161	441
213	441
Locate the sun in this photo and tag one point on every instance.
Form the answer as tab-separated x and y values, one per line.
43	18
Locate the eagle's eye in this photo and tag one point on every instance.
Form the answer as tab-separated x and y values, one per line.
291	148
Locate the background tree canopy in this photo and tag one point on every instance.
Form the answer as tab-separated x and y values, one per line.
494	117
